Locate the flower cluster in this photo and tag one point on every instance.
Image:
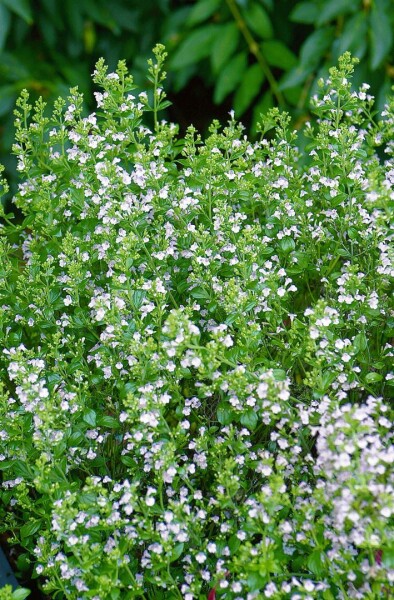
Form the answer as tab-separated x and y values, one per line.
197	344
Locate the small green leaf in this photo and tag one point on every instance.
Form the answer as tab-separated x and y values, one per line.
353	37
202	10
129	461
278	55
30	528
373	377
279	374
22	470
224	415
315	46
21	8
388	557
196	46
261	108
256	581
258	21
89	417
331	9
108	421
177	551
315	563
295	77
20	594
287	244
360	342
305	12
224	46
249	88
249	419
138	298
230	77
201	293
381	33
4	25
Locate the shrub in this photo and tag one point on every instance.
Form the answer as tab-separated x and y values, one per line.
248	54
197	349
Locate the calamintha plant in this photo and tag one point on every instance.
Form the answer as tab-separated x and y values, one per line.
197	342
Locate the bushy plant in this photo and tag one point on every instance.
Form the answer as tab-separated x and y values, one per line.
198	343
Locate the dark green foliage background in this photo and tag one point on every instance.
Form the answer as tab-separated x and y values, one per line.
242	54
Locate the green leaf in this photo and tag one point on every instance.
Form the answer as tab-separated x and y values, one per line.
249	88
77	438
373	377
138	298
129	461
381	34
202	10
30	528
177	551
258	21
224	46
360	342
287	244
21	8
108	421
305	12
256	581
89	417
331	9
196	46
279	374
353	37
315	563
224	415
7	93
262	108
230	77
4	25
315	46
22	470
20	594
388	557
295	77
278	55
249	419
200	292
74	17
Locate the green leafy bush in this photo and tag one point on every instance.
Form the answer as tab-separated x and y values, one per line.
47	46
256	51
247	54
7	593
198	344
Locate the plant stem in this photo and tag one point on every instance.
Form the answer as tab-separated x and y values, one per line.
255	50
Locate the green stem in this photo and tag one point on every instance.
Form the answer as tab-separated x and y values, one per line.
255	50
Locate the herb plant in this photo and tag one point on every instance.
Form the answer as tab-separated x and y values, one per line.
197	350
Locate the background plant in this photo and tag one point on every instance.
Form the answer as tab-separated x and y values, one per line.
198	349
244	54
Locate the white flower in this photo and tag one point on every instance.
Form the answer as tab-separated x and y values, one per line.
201	557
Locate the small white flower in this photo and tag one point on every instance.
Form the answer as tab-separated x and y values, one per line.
201	557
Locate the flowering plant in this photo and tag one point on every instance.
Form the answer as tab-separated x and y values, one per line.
197	343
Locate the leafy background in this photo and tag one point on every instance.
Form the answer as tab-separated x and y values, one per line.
243	54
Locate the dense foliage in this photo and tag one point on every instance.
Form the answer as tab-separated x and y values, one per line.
246	54
198	344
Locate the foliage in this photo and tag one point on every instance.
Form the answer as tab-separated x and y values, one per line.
254	48
7	593
46	46
250	54
198	344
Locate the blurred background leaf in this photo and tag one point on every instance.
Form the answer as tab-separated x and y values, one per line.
246	55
